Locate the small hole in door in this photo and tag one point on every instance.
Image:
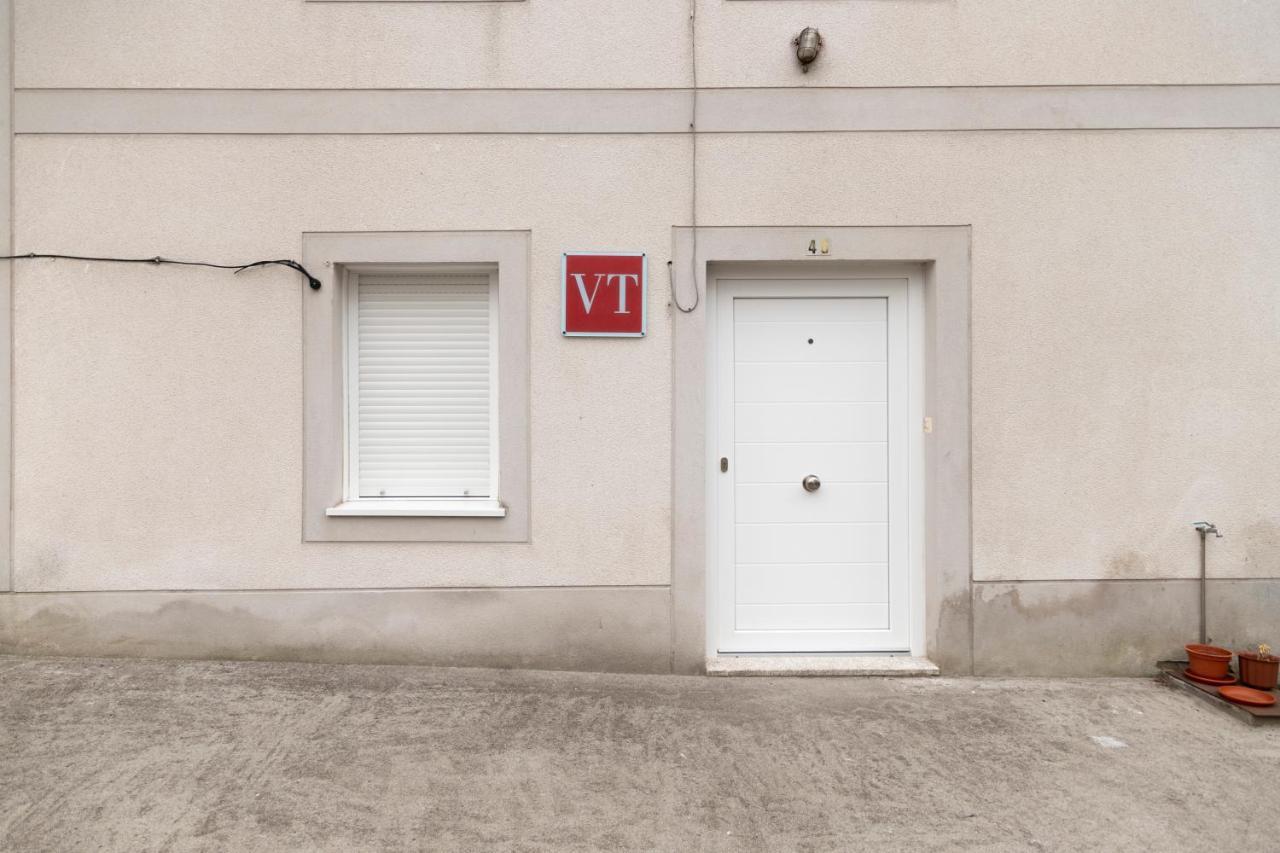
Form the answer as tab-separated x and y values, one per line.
810	340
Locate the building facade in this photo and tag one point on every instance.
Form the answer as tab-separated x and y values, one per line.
949	336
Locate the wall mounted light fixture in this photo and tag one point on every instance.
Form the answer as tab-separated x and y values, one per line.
808	45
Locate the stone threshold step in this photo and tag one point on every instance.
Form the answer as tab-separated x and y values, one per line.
888	666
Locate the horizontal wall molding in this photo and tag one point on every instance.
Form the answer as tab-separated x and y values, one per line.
990	108
350	111
413	1
638	111
1179	579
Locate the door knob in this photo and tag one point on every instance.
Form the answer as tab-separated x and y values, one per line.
811	483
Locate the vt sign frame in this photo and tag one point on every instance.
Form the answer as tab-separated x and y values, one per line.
604	294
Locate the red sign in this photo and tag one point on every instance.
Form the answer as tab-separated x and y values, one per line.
604	294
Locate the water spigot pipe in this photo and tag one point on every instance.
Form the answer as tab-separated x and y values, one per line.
1204	528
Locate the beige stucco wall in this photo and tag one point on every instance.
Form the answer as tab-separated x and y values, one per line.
296	44
159	416
1125	318
1124	326
991	42
629	43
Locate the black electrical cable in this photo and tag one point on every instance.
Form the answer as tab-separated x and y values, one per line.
157	260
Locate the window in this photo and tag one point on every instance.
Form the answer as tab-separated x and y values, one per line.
421	391
416	387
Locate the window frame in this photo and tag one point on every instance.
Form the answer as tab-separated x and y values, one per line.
330	512
353	502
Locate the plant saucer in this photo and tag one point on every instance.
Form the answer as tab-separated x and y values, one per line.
1209	679
1247	695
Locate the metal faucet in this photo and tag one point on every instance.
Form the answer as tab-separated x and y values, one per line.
1204	528
1207	527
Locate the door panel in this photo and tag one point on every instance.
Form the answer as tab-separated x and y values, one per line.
815	617
785	309
805	583
834	502
833	382
792	422
841	462
789	342
820	543
812	380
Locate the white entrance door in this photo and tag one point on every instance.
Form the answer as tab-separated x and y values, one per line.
813	383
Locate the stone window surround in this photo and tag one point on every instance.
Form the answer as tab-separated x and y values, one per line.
943	253
325	254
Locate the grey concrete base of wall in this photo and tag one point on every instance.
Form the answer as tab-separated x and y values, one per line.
1035	628
588	629
1085	628
1243	613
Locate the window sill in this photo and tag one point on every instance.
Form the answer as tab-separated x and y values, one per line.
418	508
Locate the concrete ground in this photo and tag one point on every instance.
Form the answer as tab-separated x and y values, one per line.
150	755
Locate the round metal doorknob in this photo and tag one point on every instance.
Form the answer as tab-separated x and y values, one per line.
811	483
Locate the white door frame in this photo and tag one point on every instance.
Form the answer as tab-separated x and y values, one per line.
915	348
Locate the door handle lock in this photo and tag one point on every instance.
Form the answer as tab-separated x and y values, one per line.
811	483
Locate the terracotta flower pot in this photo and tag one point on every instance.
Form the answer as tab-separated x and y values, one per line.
1257	671
1209	661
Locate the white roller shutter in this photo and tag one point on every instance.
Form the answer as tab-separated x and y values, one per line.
423	386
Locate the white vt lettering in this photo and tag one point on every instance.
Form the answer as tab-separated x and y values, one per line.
622	290
582	290
620	279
